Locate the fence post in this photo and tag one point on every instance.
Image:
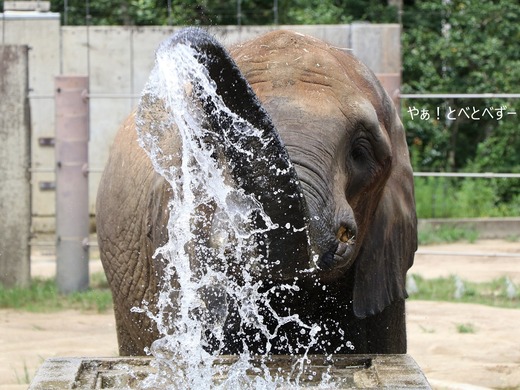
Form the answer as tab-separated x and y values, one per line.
15	157
72	212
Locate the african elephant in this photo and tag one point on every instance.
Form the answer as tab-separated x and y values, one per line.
347	178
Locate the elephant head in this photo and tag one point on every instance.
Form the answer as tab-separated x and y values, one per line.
336	176
347	144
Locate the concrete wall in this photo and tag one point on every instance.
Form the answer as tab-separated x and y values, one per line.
41	32
118	61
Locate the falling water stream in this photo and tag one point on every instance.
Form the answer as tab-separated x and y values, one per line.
211	259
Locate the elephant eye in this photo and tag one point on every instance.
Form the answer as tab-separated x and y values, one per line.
361	151
358	154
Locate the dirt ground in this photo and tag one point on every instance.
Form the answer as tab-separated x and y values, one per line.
487	358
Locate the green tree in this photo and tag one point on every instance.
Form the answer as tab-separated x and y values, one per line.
465	46
337	11
106	12
222	12
461	46
146	12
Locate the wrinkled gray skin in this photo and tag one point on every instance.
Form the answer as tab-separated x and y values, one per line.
352	182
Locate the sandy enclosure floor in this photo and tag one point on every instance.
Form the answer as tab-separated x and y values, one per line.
487	358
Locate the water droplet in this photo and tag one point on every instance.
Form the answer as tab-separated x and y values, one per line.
209	219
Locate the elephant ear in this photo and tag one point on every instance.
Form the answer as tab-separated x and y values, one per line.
248	143
391	239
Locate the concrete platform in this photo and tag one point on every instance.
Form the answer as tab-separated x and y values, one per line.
487	228
349	371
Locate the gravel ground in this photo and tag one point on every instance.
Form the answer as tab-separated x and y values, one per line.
487	358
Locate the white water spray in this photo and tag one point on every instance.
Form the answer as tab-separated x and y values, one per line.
210	261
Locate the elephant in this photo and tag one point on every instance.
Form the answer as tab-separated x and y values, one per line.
338	138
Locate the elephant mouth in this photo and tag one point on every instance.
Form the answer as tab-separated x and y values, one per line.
341	253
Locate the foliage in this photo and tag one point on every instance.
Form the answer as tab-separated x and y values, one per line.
493	293
338	11
456	46
464	46
443	197
221	12
465	328
123	12
42	296
499	153
436	235
25	378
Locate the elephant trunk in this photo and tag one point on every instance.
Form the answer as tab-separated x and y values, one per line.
332	227
259	163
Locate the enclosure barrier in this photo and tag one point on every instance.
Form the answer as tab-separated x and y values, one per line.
66	49
486	175
444	206
72	216
459	95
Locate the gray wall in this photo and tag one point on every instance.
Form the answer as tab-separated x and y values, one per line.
118	60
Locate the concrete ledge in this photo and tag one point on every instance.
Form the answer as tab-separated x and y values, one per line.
350	371
39	6
487	228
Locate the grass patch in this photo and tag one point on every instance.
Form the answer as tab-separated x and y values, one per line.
42	296
465	328
512	238
451	197
498	293
25	377
426	330
445	234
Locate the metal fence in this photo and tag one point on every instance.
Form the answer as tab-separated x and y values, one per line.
64	51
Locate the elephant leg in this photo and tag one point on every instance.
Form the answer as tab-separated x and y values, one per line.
135	331
386	331
127	343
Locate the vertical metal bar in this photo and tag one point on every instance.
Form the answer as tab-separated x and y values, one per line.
170	13
239	12
72	212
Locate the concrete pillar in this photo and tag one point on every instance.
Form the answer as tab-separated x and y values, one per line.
379	46
15	190
391	82
72	212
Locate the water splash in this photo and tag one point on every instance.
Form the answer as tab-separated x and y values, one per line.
511	291
411	285
211	219
460	288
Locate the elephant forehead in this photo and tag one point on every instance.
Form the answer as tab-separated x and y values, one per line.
283	48
262	63
286	63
